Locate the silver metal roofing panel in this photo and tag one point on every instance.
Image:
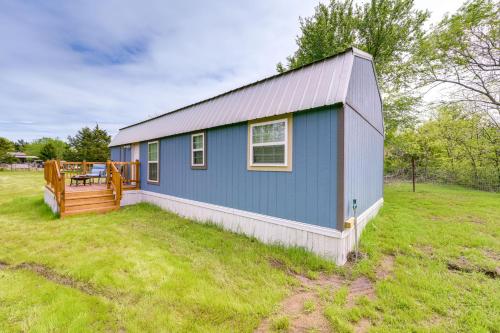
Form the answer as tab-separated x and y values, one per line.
322	83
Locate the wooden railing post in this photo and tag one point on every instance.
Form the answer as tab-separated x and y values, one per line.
62	182
137	174
108	174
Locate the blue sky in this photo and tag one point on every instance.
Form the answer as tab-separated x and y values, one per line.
68	64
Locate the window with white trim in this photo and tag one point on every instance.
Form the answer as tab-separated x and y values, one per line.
198	149
269	143
153	161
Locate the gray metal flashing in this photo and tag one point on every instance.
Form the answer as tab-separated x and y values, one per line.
362	54
321	83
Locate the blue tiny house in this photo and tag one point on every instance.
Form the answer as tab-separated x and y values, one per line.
280	159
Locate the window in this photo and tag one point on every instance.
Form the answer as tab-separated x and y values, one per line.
269	143
198	149
153	162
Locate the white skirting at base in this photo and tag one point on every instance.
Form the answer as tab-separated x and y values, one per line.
50	200
326	242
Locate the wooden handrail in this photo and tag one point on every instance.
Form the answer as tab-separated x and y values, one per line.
116	181
130	172
55	181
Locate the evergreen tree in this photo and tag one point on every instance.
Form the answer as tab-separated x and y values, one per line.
89	145
48	152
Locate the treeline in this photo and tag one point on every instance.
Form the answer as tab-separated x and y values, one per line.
453	138
454	147
89	144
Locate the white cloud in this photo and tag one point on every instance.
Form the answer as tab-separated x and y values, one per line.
75	63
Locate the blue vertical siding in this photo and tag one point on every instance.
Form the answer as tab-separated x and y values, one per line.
364	163
307	194
115	153
122	154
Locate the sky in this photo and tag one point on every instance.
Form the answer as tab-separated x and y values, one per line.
69	64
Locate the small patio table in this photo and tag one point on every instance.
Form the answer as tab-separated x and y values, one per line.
79	178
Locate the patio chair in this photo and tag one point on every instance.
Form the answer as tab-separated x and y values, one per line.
98	171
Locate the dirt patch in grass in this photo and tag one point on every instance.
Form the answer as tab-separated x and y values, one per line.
476	220
463	265
304	308
351	256
493	255
57	278
362	326
359	288
278	264
427	250
385	268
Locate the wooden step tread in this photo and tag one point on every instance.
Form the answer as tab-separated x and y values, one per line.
71	195
92	196
88	201
90	204
93	192
90	210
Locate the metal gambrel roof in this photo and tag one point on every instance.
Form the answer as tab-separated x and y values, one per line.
321	83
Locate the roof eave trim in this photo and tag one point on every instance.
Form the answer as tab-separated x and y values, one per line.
362	54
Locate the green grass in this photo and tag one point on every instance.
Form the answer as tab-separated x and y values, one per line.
163	273
281	324
424	231
309	306
154	271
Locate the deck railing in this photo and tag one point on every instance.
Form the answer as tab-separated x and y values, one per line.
55	180
114	181
130	171
78	168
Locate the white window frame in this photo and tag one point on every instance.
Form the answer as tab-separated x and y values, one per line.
157	161
198	165
275	143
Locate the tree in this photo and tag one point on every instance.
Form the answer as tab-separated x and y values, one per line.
330	30
454	146
390	30
20	144
463	52
89	145
48	152
35	147
6	146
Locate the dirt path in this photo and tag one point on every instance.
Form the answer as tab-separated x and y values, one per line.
304	308
53	276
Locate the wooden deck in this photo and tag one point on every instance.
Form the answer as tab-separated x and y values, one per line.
100	196
94	187
85	188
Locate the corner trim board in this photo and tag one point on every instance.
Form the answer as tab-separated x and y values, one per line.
340	168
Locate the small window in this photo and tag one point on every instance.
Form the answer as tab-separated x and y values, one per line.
153	162
198	151
269	143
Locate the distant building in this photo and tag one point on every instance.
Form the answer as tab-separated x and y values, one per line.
22	157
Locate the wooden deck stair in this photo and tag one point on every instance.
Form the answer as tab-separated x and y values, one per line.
89	201
97	197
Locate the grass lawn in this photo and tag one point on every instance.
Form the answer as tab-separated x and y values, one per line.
144	269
